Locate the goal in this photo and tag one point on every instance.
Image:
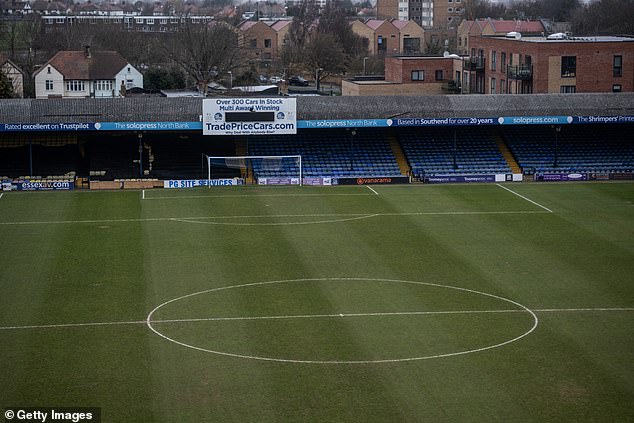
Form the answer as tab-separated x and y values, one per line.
262	170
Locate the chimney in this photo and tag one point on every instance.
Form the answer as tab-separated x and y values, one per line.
87	52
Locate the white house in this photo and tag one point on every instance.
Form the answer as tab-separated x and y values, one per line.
72	74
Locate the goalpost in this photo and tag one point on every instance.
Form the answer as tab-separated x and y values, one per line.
265	170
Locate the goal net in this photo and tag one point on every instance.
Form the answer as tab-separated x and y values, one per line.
262	170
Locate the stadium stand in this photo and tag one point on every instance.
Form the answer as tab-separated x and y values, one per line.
331	152
112	158
174	157
572	149
436	151
39	156
437	148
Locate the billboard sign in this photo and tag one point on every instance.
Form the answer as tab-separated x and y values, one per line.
557	177
249	116
461	179
43	185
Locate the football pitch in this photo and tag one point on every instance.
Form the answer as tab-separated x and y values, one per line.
441	303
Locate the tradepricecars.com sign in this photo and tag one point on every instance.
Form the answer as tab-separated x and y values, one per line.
249	116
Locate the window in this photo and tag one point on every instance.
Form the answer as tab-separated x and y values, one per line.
568	89
617	88
253	43
439	75
492	85
103	85
494	60
75	85
502	86
267	43
49	85
503	62
617	66
568	66
381	44
418	75
48	70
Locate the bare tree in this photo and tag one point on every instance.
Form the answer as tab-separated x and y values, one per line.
478	9
305	15
206	52
604	17
326	56
333	21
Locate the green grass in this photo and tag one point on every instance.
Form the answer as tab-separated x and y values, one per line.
470	256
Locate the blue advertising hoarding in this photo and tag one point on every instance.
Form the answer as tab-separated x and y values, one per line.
328	123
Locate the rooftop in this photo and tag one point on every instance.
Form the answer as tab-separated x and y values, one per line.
569	39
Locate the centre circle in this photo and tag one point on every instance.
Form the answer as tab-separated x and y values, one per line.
341	321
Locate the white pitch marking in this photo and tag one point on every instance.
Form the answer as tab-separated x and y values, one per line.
1	194
525	198
72	325
143	195
179	197
314	316
372	189
366	216
192	218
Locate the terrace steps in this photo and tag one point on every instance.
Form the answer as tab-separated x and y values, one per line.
399	155
508	156
241	150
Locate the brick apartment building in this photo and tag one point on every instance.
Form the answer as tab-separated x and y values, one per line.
411	75
559	64
390	36
439	14
488	26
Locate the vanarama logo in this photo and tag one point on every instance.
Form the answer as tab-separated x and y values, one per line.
364	181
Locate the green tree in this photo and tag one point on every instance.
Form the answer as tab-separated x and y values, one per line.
6	87
157	78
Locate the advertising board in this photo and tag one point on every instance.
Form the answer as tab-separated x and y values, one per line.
249	116
459	179
193	183
557	177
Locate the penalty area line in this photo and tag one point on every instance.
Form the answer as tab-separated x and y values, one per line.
525	198
372	189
